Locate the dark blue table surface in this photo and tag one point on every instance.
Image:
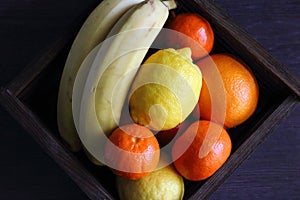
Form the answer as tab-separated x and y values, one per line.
26	172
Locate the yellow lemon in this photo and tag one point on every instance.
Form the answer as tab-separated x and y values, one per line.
165	90
162	184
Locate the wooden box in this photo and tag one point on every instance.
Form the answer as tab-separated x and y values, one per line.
31	99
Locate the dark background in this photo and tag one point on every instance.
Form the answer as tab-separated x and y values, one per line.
26	172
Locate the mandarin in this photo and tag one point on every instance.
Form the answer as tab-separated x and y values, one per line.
230	91
194	32
132	151
201	150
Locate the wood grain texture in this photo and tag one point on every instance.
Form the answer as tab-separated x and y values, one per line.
54	147
271	172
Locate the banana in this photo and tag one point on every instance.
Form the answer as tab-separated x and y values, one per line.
79	84
77	93
81	79
86	66
113	70
93	31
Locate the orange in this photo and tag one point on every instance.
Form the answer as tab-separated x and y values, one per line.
201	150
132	151
195	32
230	92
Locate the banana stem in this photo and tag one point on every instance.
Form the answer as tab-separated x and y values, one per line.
170	4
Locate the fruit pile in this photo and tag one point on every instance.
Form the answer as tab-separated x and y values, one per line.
143	94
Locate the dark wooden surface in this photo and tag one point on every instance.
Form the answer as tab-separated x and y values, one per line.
26	172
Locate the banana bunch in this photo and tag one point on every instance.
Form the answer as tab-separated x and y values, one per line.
94	30
101	66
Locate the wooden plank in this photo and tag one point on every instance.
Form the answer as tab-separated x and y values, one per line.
243	44
53	147
31	122
48	54
244	151
36	67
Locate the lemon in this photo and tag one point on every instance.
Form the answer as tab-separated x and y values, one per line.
165	90
162	184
